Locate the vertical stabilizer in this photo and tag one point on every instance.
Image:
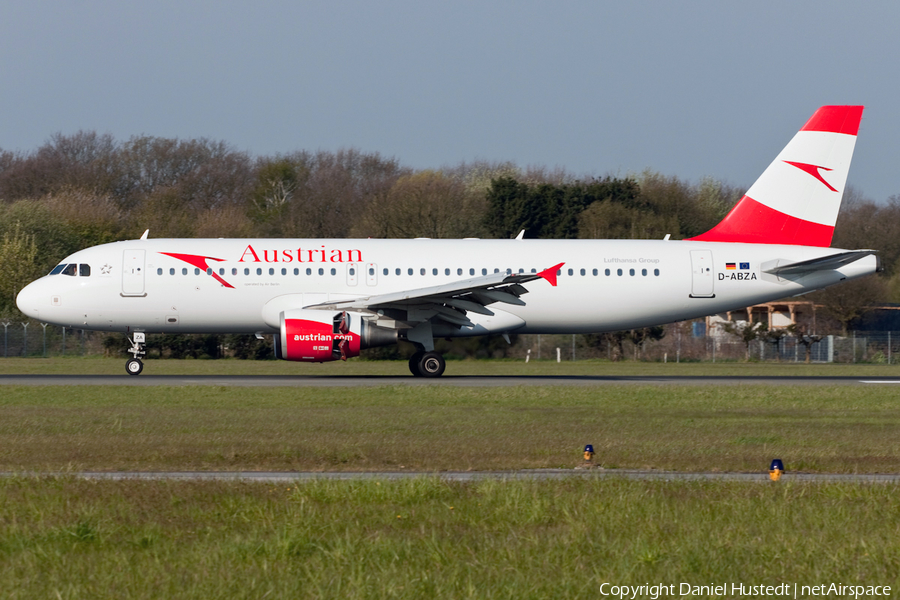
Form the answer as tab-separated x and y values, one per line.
797	198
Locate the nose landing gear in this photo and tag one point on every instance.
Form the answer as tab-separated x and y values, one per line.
134	365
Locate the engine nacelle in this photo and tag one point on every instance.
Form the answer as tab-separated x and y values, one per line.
320	336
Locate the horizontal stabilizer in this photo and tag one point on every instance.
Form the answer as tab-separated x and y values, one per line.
825	263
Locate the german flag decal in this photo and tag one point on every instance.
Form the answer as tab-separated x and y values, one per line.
729	267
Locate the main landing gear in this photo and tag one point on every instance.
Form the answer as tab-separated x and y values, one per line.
427	364
134	365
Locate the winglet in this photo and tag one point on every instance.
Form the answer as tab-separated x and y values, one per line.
550	274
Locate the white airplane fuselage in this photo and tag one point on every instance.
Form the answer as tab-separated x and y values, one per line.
603	285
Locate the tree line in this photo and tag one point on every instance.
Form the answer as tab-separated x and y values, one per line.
86	188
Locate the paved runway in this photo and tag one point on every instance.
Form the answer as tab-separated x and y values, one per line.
460	381
465	476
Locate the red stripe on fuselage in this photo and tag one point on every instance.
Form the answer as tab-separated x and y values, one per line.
753	223
835	119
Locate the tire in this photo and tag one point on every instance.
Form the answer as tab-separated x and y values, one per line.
134	366
432	364
414	363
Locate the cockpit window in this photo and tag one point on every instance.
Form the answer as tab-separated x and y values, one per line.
84	270
70	270
57	269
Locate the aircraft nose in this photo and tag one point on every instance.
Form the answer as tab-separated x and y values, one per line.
28	300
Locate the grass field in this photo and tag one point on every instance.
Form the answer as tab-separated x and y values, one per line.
63	537
108	366
423	538
685	428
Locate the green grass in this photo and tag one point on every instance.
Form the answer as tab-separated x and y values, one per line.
424	538
678	427
354	367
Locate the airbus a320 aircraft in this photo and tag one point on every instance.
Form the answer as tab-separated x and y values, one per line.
327	299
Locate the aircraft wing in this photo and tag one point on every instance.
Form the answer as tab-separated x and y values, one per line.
825	263
448	302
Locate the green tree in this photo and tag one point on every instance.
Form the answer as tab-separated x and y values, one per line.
18	255
424	204
548	210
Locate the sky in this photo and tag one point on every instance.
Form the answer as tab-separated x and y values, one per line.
691	89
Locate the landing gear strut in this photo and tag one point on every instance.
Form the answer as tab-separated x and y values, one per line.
134	365
427	364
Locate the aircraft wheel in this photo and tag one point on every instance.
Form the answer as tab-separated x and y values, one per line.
134	366
432	365
414	363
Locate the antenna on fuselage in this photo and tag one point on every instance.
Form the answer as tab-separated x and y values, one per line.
146	233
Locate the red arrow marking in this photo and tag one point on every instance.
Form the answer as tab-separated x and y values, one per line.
812	170
200	263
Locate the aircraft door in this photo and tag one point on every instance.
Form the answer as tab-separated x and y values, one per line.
352	273
371	274
702	276
133	273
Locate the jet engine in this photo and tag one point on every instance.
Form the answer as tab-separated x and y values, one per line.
319	336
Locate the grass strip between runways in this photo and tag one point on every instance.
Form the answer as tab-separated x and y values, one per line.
837	429
426	538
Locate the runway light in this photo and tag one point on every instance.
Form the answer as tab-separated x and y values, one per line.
588	453
776	469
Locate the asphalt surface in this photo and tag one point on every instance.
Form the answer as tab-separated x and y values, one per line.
460	381
461	476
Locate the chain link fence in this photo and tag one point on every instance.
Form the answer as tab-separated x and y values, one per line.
680	342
